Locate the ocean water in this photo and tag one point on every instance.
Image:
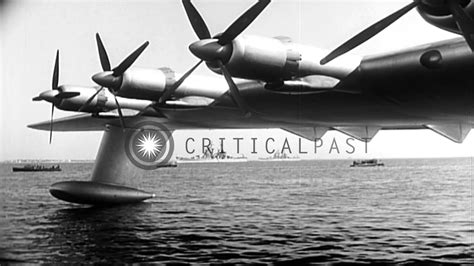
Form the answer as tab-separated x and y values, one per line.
410	211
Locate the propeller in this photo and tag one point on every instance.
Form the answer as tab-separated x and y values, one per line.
54	87
56	94
463	20
112	78
51	124
217	49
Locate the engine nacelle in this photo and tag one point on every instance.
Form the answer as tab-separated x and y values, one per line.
101	102
277	59
146	83
436	13
262	58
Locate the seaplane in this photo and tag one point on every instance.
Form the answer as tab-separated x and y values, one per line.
264	82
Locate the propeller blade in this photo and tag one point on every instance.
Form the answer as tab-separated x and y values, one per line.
464	21
51	124
119	109
368	33
56	72
67	95
196	20
170	91
120	69
234	91
242	22
86	104
37	98
104	58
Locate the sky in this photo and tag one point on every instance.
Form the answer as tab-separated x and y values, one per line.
32	30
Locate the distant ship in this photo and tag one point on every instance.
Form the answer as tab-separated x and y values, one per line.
366	163
37	168
277	156
209	156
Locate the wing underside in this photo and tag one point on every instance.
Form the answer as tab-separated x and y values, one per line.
456	132
99	123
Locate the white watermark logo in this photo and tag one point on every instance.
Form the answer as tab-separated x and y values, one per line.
149	147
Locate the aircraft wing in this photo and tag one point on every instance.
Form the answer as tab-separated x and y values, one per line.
72	123
87	122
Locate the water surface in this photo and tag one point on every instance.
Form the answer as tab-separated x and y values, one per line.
409	211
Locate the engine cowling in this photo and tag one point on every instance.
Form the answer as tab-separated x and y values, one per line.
99	104
146	83
277	59
102	102
251	58
436	13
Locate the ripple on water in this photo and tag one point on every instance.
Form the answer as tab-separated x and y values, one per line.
409	212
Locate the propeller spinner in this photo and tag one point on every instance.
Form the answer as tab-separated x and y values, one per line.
453	7
218	49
